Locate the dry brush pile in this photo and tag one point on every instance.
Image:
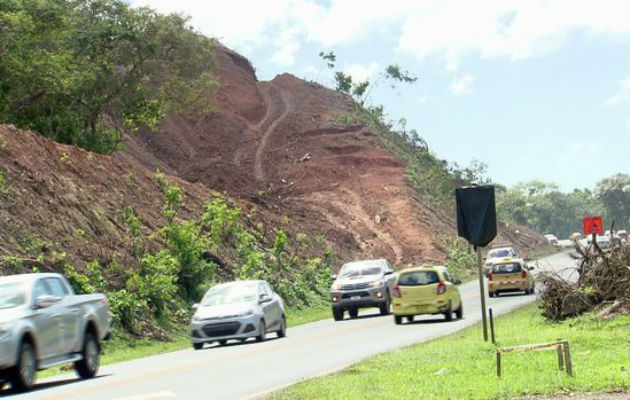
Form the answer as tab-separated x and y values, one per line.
603	285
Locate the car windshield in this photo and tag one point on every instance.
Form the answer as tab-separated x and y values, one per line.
230	294
351	270
12	294
498	253
418	278
506	268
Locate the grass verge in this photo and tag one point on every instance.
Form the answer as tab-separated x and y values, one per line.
461	366
120	349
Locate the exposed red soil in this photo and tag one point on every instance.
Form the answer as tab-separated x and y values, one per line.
279	142
274	144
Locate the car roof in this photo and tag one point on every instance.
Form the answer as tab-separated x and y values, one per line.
501	248
508	260
424	268
27	277
366	262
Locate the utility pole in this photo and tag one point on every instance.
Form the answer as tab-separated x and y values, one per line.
482	293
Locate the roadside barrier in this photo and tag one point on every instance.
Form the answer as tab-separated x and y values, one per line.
561	346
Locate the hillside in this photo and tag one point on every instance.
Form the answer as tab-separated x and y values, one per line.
281	143
277	146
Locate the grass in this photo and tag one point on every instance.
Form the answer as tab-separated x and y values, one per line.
461	366
120	349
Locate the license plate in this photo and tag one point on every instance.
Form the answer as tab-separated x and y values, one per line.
355	298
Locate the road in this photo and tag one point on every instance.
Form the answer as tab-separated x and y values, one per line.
252	370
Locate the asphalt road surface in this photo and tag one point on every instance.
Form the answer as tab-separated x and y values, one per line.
252	370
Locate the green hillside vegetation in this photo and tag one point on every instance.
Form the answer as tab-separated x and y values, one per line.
151	295
87	72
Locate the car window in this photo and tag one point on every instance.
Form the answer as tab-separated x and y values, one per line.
57	287
268	289
447	276
358	270
12	294
506	268
418	278
230	294
40	289
499	253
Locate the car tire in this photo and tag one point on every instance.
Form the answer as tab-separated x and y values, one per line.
448	315
385	306
459	314
22	376
197	346
90	360
262	331
397	319
222	342
409	318
337	314
354	312
282	332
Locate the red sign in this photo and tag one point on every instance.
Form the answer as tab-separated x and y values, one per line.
593	224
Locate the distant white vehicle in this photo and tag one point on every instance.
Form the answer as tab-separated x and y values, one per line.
552	239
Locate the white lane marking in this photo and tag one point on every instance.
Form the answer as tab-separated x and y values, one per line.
163	395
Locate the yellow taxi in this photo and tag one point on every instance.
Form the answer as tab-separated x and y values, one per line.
510	275
426	290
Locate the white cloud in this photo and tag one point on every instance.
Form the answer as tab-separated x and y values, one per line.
507	28
452	29
622	95
462	86
361	73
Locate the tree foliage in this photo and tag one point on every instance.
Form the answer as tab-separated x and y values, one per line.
87	72
543	207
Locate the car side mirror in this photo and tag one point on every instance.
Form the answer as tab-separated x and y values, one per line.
457	281
531	268
264	298
46	300
195	306
389	272
333	277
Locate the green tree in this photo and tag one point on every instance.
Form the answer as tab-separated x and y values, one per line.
87	72
614	193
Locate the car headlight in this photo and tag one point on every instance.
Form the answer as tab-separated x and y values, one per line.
246	313
337	286
375	284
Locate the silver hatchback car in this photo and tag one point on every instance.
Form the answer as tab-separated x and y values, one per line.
238	310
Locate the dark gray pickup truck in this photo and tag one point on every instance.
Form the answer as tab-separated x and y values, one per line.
43	323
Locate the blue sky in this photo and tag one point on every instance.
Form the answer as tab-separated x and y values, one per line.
535	89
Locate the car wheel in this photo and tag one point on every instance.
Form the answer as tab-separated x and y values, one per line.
397	319
354	312
262	331
385	306
282	332
222	342
337	314
460	311
22	376
448	315
197	346
409	318
90	358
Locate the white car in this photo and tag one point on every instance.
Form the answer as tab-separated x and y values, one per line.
496	255
552	239
238	310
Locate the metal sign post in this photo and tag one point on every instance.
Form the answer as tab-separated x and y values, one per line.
482	293
477	223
